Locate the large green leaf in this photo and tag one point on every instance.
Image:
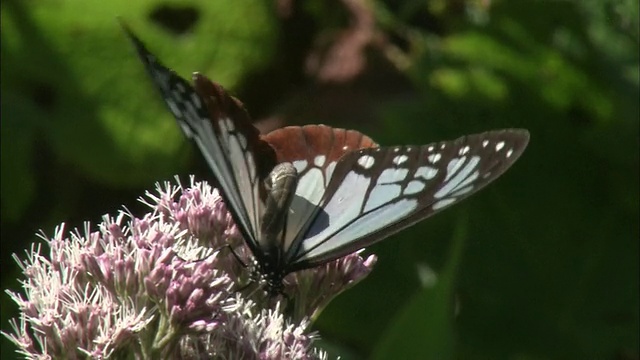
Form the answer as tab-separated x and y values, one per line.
100	113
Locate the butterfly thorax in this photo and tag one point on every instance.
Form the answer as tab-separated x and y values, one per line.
280	187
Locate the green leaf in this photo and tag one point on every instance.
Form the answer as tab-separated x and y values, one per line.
17	145
101	113
427	319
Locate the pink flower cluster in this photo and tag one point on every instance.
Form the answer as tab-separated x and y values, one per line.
170	284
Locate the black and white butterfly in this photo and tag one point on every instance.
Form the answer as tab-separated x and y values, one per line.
303	196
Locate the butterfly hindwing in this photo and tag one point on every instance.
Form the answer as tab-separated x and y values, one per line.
376	192
314	150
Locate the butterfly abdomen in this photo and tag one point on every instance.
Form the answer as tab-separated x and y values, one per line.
281	187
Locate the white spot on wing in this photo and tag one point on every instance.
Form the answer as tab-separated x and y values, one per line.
400	159
442	203
366	161
434	158
430	148
413	187
426	172
485	143
300	165
464	150
229	124
499	145
319	160
509	153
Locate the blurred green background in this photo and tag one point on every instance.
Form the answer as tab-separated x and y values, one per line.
541	265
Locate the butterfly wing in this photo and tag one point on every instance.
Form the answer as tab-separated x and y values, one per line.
230	132
377	192
314	150
222	130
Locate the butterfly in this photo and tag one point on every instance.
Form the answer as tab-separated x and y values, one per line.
302	196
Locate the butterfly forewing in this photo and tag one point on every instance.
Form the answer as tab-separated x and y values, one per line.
221	128
376	192
250	158
314	150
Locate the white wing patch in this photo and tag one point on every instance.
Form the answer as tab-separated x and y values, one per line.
349	218
196	100
300	165
414	187
316	246
366	161
460	179
311	187
442	203
382	194
344	206
426	172
206	141
462	191
400	159
244	168
453	166
434	158
392	175
319	160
